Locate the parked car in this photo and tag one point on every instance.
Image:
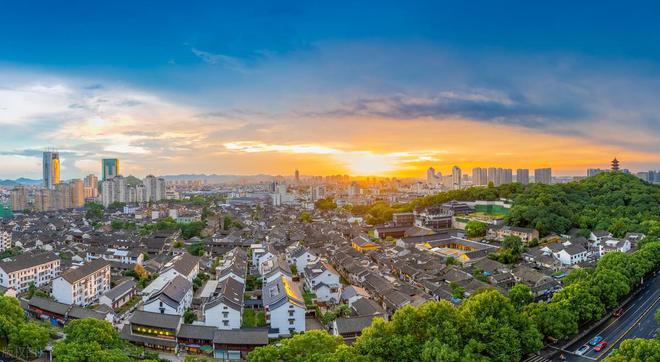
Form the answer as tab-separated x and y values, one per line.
618	312
594	341
600	346
582	350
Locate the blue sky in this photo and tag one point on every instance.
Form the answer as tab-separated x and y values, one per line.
328	86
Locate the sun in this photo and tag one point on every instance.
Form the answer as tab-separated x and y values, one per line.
369	164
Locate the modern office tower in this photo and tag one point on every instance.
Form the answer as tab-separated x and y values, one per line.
110	168
19	198
296	176
594	171
51	169
543	175
456	178
522	176
154	188
77	193
91	186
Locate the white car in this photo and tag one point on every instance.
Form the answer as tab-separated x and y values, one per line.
582	350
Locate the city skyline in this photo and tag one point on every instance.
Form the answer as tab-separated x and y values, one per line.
281	86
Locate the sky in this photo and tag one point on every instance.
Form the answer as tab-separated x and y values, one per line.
381	88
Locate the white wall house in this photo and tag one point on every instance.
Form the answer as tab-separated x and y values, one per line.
300	257
126	256
19	272
323	280
174	298
571	254
225	310
83	285
285	307
597	236
612	244
268	255
185	265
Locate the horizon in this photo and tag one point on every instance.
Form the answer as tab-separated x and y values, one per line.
369	89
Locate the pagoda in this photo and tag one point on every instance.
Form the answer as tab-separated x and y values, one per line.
615	164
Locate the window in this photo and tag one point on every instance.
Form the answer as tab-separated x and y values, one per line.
225	323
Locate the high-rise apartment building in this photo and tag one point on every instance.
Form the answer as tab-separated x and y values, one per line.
522	176
154	188
19	198
456	178
110	168
51	169
91	186
296	176
77	193
543	175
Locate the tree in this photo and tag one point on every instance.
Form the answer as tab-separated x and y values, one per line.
310	346
520	295
577	275
29	340
325	204
94	211
578	298
553	319
305	217
90	340
609	285
197	249
475	229
189	316
457	290
636	350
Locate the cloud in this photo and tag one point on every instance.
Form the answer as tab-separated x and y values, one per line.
226	61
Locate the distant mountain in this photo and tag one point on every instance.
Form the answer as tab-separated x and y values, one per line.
132	180
20	181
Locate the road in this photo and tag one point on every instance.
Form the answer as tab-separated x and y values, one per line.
637	321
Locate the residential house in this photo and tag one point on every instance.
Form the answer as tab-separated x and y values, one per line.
225	310
174	298
83	285
285	307
19	272
119	295
322	279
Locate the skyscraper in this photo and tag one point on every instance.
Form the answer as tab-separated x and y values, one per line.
19	198
77	193
91	186
297	176
543	175
51	169
431	177
110	168
522	176
456	178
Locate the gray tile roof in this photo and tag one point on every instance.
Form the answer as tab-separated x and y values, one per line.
150	319
73	275
26	260
252	336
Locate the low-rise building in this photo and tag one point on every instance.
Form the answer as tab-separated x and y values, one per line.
499	232
30	268
285	307
225	310
83	285
174	298
322	280
119	295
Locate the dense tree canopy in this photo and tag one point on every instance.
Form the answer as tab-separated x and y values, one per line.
24	338
475	229
612	201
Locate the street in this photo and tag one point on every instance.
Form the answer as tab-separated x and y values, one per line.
637	321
